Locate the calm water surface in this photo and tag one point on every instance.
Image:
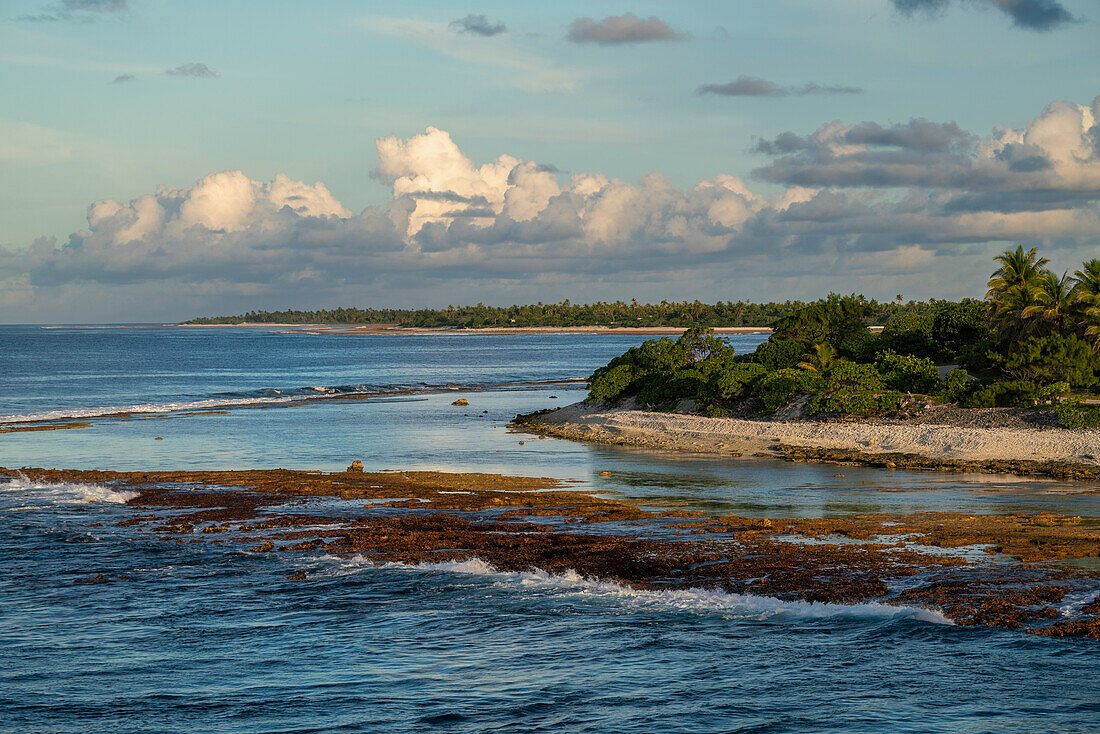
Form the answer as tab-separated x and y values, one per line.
209	638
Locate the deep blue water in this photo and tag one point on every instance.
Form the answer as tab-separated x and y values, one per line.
205	637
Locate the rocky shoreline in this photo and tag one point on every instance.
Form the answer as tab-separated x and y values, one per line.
1004	570
1000	441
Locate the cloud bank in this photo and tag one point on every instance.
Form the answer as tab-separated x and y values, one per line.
912	203
1033	15
751	86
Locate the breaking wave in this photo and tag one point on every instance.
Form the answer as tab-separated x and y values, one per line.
19	493
704	601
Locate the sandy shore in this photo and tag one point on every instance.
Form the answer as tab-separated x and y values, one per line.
922	445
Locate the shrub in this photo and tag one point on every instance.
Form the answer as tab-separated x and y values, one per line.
860	402
960	324
658	388
853	377
1003	394
911	322
908	373
956	385
828	321
907	342
611	384
1072	414
780	354
776	388
1053	358
736	380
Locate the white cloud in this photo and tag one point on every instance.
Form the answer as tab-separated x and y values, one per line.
509	223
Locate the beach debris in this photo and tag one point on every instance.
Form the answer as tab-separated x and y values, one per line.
461	401
356	466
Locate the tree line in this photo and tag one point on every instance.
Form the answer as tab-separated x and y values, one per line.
684	314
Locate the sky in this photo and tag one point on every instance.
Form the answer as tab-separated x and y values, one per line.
161	160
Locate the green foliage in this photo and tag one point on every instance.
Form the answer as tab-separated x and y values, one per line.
609	384
1072	414
1003	394
619	313
956	386
661	370
778	355
736	380
859	402
660	388
912	322
776	388
1052	358
853	377
908	374
959	324
836	320
913	343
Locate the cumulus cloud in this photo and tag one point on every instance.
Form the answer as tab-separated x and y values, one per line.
1053	156
477	25
627	28
890	203
751	86
193	69
1034	15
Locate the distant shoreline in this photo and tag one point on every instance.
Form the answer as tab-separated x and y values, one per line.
353	329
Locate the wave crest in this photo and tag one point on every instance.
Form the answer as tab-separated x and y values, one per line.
698	600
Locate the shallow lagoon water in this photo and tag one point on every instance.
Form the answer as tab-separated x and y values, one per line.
214	638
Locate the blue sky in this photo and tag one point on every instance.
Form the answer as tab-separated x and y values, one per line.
306	90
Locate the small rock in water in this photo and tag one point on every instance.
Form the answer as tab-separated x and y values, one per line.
97	579
605	474
158	438
838	476
461	401
296	577
553	397
356	466
521	443
263	547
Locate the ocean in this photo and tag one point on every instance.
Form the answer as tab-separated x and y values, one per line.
215	638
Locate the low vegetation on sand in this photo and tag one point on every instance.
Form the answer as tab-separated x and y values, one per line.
1032	342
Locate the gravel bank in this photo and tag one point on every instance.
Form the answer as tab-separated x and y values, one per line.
971	446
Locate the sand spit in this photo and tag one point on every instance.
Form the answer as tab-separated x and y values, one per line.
903	444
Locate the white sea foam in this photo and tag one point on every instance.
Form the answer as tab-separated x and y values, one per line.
144	408
703	601
30	494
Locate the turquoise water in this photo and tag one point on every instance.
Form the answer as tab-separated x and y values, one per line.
208	638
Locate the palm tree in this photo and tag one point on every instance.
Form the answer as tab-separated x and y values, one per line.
1012	290
823	358
1053	303
1086	296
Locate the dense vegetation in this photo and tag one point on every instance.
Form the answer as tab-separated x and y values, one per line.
686	314
1033	341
